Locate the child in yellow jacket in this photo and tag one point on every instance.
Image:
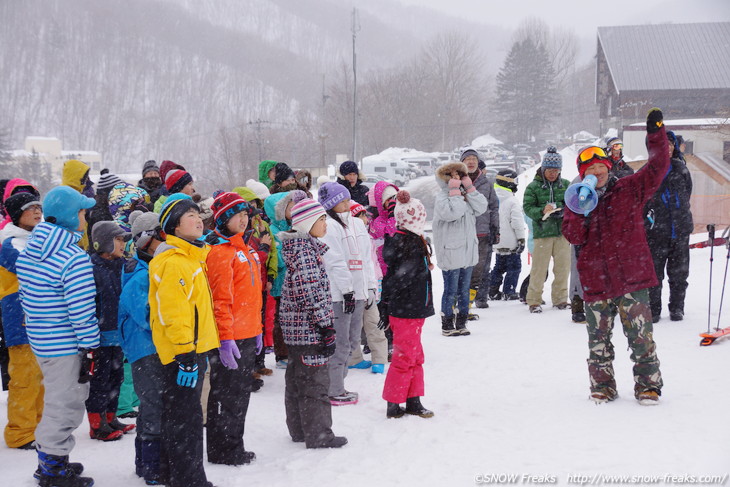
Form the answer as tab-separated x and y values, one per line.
183	331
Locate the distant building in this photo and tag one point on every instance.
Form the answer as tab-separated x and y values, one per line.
49	151
682	68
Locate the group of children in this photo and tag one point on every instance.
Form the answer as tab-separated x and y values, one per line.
174	294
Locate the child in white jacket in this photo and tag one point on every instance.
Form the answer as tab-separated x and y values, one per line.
512	238
352	281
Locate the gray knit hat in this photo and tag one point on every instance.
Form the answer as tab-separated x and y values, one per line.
552	159
108	180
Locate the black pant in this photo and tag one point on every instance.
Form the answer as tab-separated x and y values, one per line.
230	391
147	376
4	360
672	253
106	381
481	271
308	408
181	458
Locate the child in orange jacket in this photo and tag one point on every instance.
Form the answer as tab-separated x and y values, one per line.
235	281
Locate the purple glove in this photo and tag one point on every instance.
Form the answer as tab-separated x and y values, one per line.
227	351
259	343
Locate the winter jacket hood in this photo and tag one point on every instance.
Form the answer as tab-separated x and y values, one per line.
16	185
123	200
443	173
47	238
511	220
277	212
134	319
248	195
75	174
264	168
18	235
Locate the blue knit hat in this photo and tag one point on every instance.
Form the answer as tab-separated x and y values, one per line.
552	159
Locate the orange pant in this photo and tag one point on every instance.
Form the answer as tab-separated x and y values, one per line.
25	396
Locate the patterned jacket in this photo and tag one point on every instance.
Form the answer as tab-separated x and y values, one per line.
306	303
58	293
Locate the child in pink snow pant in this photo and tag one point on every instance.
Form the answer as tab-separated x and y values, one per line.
405	374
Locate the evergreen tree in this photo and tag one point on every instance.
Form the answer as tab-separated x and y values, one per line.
525	91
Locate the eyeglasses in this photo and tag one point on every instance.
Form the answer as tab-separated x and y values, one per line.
617	146
590	153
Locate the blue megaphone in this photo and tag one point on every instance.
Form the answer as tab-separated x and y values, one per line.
581	197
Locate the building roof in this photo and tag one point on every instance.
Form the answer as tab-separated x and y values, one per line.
668	56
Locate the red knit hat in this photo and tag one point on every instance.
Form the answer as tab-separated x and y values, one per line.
356	208
225	206
589	156
175	176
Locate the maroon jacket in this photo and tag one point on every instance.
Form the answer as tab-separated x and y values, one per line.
614	257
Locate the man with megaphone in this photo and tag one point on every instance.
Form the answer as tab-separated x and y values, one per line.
615	264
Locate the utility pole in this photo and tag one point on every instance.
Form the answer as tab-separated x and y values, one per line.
355	30
323	134
258	123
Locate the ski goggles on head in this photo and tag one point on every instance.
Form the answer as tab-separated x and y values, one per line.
592	152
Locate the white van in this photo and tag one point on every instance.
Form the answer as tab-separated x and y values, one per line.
393	171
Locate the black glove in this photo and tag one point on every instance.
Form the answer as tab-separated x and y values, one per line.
384	320
390	207
654	120
495	238
520	246
328	340
348	306
88	364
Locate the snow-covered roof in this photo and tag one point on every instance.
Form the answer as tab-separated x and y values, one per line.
583	135
80	152
37	137
398	153
689	121
671	56
484	141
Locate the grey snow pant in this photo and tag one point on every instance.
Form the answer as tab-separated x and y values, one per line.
308	409
376	338
64	404
347	328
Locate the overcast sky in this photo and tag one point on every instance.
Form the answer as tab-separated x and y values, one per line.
583	15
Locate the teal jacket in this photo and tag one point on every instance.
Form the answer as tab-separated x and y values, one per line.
539	193
275	212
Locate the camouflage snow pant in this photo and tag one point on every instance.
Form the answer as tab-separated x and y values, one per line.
634	312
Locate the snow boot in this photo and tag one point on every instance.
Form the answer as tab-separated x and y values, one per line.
344	399
414	407
378	369
648	398
676	315
100	430
472	317
55	471
394	410
601	397
536	308
481	303
117	425
75	467
461	325
363	364
334	442
447	326
579	317
138	465
150	460
472	296
511	297
495	294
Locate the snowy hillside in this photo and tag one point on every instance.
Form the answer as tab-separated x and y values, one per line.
512	398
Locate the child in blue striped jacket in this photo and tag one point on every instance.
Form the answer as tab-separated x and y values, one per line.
57	292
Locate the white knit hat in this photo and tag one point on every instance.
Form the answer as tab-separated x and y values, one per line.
305	214
259	188
410	214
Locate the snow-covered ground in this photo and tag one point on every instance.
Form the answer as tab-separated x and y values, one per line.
511	399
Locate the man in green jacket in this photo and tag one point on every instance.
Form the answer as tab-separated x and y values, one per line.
543	203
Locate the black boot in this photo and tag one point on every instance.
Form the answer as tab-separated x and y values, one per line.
56	471
414	406
394	410
447	326
150	461
461	325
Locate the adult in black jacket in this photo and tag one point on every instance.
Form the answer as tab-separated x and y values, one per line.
668	224
352	180
152	183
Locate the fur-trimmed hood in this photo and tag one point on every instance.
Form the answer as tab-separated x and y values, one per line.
443	173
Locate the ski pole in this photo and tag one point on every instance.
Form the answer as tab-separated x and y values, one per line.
724	279
711	234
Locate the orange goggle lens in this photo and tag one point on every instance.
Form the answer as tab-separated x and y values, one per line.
590	152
